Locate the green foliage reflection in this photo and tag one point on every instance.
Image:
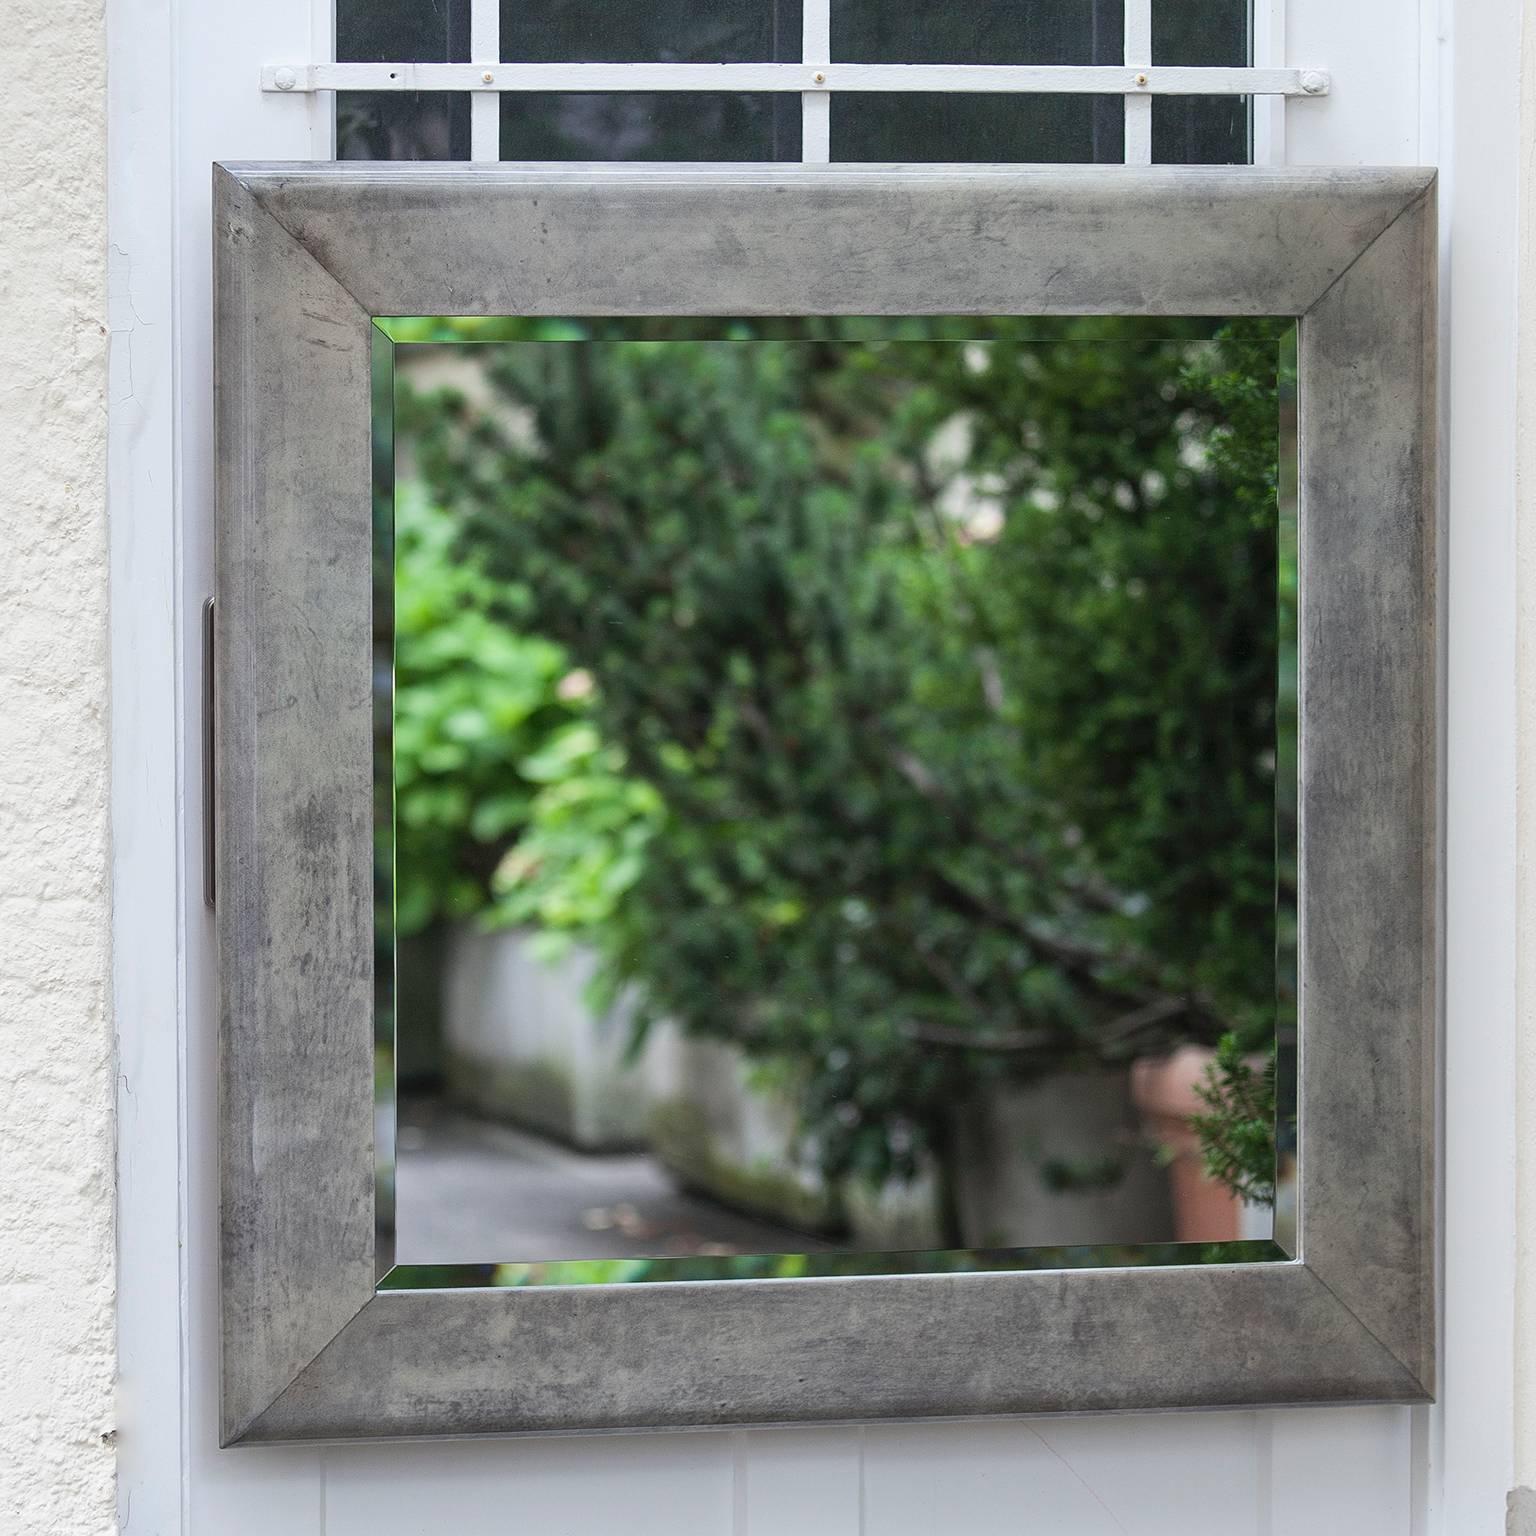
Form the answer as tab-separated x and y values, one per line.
894	699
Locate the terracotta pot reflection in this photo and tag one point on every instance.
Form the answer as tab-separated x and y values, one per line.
1163	1087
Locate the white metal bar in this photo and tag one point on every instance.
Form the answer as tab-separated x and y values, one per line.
1267	49
322	42
1138	34
1138	101
815	105
485	106
1138	130
1021	79
815	128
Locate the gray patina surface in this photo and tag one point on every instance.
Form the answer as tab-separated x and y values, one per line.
1520	1516
305	256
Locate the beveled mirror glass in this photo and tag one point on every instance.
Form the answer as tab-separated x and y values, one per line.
837	815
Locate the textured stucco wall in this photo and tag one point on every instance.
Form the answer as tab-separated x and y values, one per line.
56	1095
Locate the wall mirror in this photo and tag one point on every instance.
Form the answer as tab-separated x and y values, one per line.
826	793
837	814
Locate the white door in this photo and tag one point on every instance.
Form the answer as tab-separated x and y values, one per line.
185	90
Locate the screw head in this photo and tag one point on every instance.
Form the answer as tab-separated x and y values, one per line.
1141	79
820	77
285	79
489	78
1314	82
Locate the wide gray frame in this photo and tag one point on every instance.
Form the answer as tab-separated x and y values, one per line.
305	256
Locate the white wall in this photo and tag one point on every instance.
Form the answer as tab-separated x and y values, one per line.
1525	1080
183	93
1468	1456
56	1208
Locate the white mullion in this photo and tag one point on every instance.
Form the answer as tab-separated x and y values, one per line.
1267	51
322	43
1138	106
816	106
485	106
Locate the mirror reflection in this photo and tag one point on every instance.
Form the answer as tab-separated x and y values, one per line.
836	795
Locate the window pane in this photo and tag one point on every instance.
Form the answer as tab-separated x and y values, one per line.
410	31
924	126
1200	130
633	125
402	125
671	31
395	125
1007	32
1209	32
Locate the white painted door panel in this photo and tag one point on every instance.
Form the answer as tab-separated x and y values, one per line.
188	99
798	1480
640	1485
1091	1477
1335	1472
1332	1472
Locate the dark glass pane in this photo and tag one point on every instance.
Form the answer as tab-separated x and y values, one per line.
402	125
687	31
411	31
1005	32
633	125
1207	32
923	126
1200	130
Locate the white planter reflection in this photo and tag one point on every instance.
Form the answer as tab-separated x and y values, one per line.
1060	1162
522	1044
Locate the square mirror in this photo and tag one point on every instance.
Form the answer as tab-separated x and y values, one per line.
826	793
837	799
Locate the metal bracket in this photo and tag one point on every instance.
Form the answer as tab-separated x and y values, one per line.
210	761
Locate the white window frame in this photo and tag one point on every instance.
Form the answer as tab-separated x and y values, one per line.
818	78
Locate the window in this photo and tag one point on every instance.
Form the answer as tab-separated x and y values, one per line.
1066	81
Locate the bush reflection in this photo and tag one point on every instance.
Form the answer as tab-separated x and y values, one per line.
843	780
